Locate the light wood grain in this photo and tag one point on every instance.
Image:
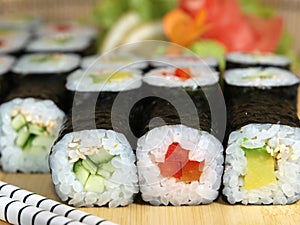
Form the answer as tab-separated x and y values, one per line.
218	212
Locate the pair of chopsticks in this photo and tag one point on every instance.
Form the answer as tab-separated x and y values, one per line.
19	206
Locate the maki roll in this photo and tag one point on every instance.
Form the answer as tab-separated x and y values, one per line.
68	28
179	161
63	43
13	41
28	128
245	60
6	62
45	64
33	113
262	156
113	61
179	165
185	61
91	164
28	23
193	90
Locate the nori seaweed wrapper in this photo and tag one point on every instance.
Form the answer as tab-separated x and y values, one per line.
171	106
42	87
6	83
230	64
246	105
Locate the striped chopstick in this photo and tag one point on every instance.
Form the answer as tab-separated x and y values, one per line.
16	212
52	206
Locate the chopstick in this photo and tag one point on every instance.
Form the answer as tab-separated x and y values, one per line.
16	212
41	202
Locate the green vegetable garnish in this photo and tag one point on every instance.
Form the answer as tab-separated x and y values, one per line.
60	40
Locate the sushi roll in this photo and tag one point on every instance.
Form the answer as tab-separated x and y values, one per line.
6	62
179	165
114	61
262	155
13	41
67	28
63	43
179	160
45	64
185	61
245	60
27	23
32	114
189	89
91	164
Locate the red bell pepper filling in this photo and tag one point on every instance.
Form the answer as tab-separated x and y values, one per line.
178	165
1	43
63	27
182	73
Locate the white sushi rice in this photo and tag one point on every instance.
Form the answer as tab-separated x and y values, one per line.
57	63
73	28
6	63
260	59
120	188
184	61
13	159
13	41
199	77
260	77
287	188
156	189
51	43
81	81
113	61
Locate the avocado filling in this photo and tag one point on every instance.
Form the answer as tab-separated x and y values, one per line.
107	76
262	163
92	165
32	136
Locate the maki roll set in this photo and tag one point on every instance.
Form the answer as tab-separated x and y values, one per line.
262	156
177	157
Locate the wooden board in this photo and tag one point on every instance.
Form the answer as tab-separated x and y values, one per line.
218	212
142	214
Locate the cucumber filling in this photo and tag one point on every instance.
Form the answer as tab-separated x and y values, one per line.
32	137
92	167
262	162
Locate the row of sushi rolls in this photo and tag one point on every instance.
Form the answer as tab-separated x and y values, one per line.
174	162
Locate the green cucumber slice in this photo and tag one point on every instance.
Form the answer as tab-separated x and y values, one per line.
42	140
90	166
101	157
18	122
95	183
108	167
36	129
80	172
22	137
103	173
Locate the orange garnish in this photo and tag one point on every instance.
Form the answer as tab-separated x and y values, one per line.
182	29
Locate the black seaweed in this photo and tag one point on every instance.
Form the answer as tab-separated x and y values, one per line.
157	109
43	87
238	65
276	105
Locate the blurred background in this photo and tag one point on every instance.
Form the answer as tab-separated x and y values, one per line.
62	10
